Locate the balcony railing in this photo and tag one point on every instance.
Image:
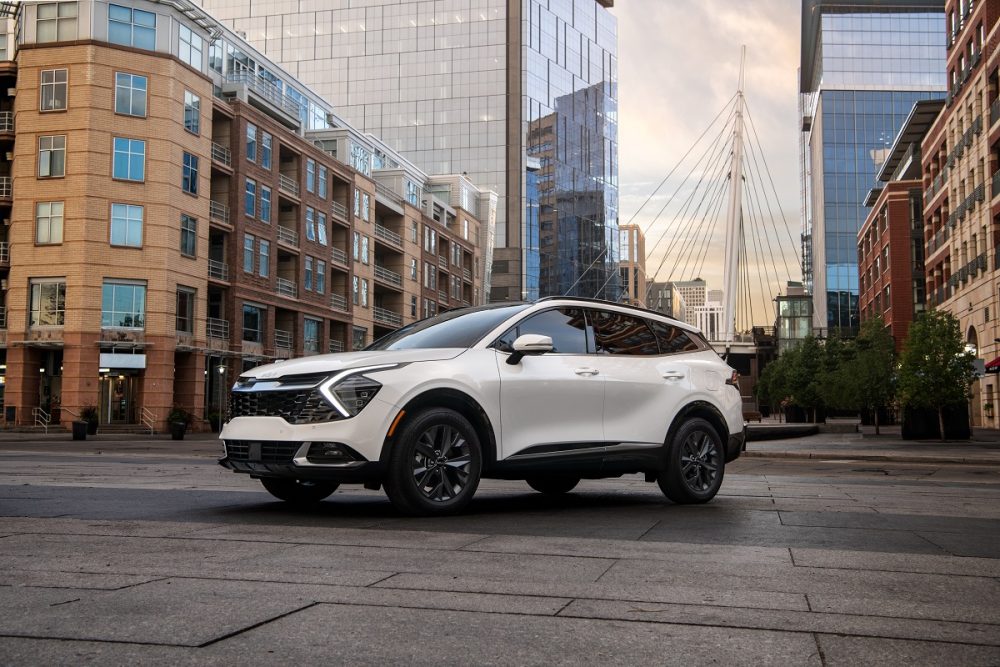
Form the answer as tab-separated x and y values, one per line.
338	255
443	262
389	236
6	187
336	346
995	188
388	317
442	296
338	302
995	111
268	91
282	339
3	317
385	275
4	252
388	193
467	275
288	184
285	287
218	270
6	121
288	236
338	210
216	328
222	154
218	211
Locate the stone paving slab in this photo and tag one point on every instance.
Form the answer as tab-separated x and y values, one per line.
851	560
80	580
58	652
853	651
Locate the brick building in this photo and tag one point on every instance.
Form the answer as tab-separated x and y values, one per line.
179	209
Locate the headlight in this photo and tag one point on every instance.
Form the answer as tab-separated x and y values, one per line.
349	392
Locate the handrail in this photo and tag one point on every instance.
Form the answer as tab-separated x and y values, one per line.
218	270
288	184
386	234
289	236
217	328
336	346
282	339
388	275
148	418
337	302
222	154
286	287
42	418
387	316
338	255
338	210
218	211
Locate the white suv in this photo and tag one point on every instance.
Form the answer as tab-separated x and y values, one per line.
549	392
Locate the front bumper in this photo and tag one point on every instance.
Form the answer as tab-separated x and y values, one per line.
736	445
287	459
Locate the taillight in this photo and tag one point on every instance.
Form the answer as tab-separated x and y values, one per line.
734	379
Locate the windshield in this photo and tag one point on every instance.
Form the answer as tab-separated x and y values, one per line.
463	327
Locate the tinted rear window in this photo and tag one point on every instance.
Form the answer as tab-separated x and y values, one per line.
673	339
456	328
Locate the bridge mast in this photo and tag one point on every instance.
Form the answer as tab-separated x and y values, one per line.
734	220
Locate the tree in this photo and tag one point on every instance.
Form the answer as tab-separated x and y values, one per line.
838	383
935	371
872	371
805	375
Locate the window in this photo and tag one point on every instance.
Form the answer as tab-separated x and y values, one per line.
250	198
322	181
413	306
430	276
49	222
265	150
126	225
617	333
309	273
185	309
189	175
55	84
264	267
364	249
51	156
253	323
131	91
365	205
4	55
465	230
189	235
672	339
310	175
248	240
265	203
358	337
48	303
565	326
320	277
357	203
413	268
131	27
356	248
364	292
123	305
414	232
310	224
191	46
56	22
192	112
355	291
215	56
321	227
252	142
310	335
129	159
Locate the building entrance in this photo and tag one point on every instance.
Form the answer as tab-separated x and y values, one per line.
118	399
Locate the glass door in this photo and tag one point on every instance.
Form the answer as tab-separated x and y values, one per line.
118	399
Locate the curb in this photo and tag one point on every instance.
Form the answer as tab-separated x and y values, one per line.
830	456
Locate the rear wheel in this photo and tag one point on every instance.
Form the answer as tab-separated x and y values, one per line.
553	485
695	464
435	464
298	491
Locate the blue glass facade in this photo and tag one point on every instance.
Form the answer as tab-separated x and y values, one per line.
862	72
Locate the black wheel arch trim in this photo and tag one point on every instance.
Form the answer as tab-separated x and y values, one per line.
704	410
461	403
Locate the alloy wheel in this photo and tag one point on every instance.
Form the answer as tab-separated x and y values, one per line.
441	463
699	461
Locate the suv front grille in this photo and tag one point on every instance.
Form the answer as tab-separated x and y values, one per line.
302	406
264	451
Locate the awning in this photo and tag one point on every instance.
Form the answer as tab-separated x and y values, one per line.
993	366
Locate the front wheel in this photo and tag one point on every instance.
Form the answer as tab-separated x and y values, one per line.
298	491
435	464
695	464
553	486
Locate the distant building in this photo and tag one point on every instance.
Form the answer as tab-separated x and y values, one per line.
632	264
793	316
708	317
693	291
661	298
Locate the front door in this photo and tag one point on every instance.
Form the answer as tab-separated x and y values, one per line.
118	404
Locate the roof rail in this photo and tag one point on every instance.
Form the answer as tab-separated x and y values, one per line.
605	302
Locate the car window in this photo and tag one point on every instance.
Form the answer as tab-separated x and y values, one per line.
673	339
456	328
618	333
567	327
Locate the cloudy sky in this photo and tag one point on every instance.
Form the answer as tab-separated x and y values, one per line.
678	66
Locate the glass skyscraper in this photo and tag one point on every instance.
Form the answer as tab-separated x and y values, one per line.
482	87
864	64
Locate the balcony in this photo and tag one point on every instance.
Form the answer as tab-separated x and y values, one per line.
338	256
285	287
288	184
288	236
4	252
216	328
467	275
338	303
384	316
218	270
222	155
389	194
6	121
336	346
218	211
387	276
389	236
338	210
442	296
3	317
443	262
282	340
266	96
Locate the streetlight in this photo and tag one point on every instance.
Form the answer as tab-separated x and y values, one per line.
221	368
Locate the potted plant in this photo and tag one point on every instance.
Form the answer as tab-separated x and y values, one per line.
178	419
214	420
89	414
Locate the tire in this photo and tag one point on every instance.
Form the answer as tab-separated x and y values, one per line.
299	492
553	485
696	464
435	464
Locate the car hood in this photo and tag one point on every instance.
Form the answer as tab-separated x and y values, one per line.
330	363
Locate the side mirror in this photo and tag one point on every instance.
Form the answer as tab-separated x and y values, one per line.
529	344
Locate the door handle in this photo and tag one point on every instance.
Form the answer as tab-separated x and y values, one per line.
673	375
586	371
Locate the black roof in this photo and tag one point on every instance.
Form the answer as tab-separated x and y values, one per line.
605	302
